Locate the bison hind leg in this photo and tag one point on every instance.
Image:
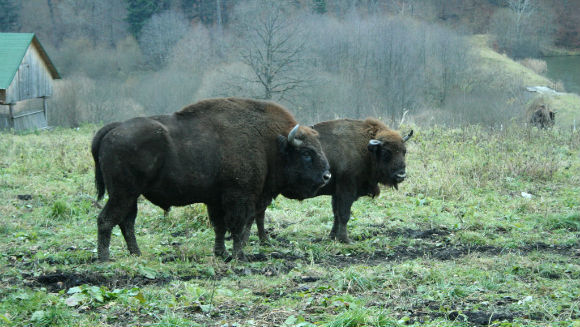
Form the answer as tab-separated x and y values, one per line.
127	226
114	213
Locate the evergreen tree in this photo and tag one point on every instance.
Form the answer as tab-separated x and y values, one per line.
9	14
138	11
319	6
203	10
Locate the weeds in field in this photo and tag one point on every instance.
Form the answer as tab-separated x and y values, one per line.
484	232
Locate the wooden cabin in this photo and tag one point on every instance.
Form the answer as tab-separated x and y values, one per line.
26	78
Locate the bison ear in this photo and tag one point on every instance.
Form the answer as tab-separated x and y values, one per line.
374	145
408	136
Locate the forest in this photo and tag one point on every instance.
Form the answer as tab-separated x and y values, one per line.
322	59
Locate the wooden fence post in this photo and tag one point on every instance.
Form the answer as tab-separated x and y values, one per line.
44	106
11	115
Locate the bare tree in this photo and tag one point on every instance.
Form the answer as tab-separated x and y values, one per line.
160	34
101	22
273	47
523	28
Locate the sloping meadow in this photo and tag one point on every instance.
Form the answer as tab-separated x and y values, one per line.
485	231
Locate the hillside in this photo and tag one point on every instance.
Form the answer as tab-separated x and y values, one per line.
567	105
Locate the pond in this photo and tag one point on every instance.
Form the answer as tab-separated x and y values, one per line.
565	69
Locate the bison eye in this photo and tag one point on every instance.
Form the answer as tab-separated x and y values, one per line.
307	156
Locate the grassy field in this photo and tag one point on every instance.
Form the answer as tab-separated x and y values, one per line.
485	231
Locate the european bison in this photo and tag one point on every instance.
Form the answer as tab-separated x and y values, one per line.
232	154
540	114
543	117
361	154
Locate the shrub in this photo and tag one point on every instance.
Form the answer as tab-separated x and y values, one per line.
537	65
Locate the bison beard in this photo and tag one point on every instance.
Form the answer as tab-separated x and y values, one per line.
362	154
232	154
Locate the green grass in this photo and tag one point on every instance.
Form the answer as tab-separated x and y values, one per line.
456	245
490	60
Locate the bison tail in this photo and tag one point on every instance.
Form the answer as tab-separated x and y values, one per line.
95	146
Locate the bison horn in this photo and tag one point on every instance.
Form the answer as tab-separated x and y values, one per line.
408	136
292	136
375	142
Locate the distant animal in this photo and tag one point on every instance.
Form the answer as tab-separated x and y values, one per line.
362	155
543	117
232	154
539	114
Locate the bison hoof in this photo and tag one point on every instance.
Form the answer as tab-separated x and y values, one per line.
240	256
107	259
135	253
103	257
265	241
332	236
222	254
344	239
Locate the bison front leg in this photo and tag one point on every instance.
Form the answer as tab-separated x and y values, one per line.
341	208
216	217
261	230
128	229
259	219
238	251
239	213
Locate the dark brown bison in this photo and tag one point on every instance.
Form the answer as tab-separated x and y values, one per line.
543	117
232	154
362	154
540	114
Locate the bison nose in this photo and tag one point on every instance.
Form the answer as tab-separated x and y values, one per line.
326	177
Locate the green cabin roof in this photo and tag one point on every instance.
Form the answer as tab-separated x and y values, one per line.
13	47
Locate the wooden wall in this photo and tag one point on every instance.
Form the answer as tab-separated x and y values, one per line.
32	80
26	115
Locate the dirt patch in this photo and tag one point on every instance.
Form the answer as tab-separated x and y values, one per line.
474	318
379	230
441	251
430	245
569	250
480	318
57	281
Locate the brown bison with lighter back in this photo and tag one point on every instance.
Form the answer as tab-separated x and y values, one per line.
362	154
232	154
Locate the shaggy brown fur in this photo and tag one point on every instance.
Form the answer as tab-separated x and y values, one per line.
357	166
232	154
541	115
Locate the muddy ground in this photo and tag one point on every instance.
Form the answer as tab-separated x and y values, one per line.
432	244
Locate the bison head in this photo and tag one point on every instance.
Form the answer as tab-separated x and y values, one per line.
388	156
305	166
